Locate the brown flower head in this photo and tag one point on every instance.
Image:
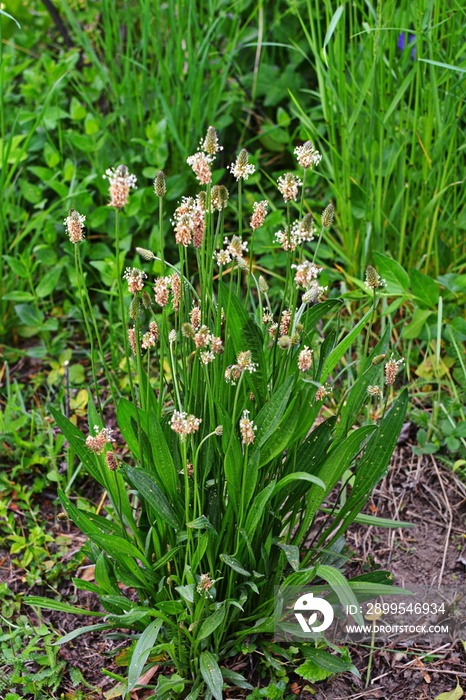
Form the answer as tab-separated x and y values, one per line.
74	224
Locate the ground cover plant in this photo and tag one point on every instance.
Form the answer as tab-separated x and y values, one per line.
225	388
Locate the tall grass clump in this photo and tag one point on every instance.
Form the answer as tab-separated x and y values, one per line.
386	111
238	432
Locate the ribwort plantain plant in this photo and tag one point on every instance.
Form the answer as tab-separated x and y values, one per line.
228	459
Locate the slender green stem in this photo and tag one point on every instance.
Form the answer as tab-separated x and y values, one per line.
88	329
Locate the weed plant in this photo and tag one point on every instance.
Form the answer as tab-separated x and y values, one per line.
228	457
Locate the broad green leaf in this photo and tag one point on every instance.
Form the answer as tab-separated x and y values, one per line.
163	460
418	321
29	315
234	564
282	435
292	554
211	623
371	468
127	422
141	652
17	265
425	289
314	314
358	392
333	468
391	271
18	296
311	453
202	523
49	282
210	671
186	592
88	523
116	546
318	659
233	467
236	679
148	489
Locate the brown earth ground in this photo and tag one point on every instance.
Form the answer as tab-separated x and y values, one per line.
416	489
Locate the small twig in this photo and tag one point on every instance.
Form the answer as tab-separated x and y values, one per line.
413	661
357	695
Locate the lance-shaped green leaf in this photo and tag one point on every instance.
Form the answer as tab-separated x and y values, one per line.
337	353
148	489
211	673
234	564
49	604
341	587
257	509
335	465
141	652
211	623
271	414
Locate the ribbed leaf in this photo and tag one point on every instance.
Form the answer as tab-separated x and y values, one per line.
211	673
257	508
281	437
127	423
212	622
163	460
314	314
310	454
292	554
299	476
271	414
88	523
341	587
234	564
335	465
141	652
116	546
148	489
